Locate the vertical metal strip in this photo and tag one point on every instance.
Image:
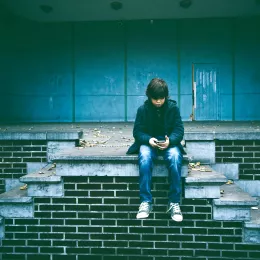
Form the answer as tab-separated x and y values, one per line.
73	70
179	63
125	69
233	70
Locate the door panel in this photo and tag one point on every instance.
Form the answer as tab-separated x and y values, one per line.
205	92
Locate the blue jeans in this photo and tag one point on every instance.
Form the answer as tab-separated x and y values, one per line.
173	158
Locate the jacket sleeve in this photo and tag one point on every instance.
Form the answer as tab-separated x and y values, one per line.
140	132
177	133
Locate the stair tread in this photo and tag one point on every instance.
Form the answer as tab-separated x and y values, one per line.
46	174
115	153
233	195
16	196
205	177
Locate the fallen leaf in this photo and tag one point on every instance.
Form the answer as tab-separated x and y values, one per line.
24	187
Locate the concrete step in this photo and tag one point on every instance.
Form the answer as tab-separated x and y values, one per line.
16	204
252	228
203	184
93	162
234	204
44	183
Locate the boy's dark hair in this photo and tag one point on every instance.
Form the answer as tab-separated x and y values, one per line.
157	88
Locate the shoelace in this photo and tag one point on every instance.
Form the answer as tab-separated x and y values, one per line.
176	208
144	206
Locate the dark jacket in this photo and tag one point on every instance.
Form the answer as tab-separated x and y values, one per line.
143	126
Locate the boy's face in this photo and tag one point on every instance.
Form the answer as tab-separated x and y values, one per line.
158	102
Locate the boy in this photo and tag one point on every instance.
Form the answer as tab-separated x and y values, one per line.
158	130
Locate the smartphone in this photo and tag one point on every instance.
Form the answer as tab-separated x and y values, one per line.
160	141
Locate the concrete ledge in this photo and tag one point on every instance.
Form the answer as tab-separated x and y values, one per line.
15	196
251	187
235	196
25	135
16	204
230	170
234	205
44	183
207	178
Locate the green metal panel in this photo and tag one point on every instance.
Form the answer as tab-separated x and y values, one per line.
99	71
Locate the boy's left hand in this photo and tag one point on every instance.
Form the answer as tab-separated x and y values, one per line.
165	145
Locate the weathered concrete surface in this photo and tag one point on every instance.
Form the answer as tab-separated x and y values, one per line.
35	166
252	228
40	135
251	187
12	183
235	204
58	146
230	170
16	203
201	151
44	183
203	184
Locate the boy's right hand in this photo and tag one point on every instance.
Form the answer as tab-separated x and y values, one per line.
153	143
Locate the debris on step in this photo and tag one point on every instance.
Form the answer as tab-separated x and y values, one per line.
24	187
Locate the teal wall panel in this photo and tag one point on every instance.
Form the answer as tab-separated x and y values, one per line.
247	69
36	72
99	71
206	41
151	52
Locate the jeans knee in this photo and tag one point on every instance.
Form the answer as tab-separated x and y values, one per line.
174	155
145	155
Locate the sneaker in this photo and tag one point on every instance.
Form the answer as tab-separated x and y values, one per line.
175	210
145	209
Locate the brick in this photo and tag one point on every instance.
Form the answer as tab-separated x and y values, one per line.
115	230
37	256
102	193
51	207
128	237
88	186
64	214
194	202
101	179
92	257
208	224
102	236
223	154
38	142
86	215
142	230
114	243
26	235
77	207
232	160
64	200
246	177
244	142
238	224
194	245
68	186
207	253
5	154
166	244
130	251
13	170
231	239
243	154
96	243
246	166
12	148
221	246
66	257
251	160
39	154
181	252
32	160
223	143
254	254
254	148
104	251
5	165
51	236
59	250
194	231
77	250
42	214
207	238
80	222
26	221
38	229
180	238
117	186
39	243
51	221
67	243
234	254
76	236
224	231
12	160
143	244
26	249
64	229
76	193
90	229
15	229
232	148
13	242
115	201
101	208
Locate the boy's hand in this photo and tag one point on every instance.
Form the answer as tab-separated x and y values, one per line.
165	145
153	143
